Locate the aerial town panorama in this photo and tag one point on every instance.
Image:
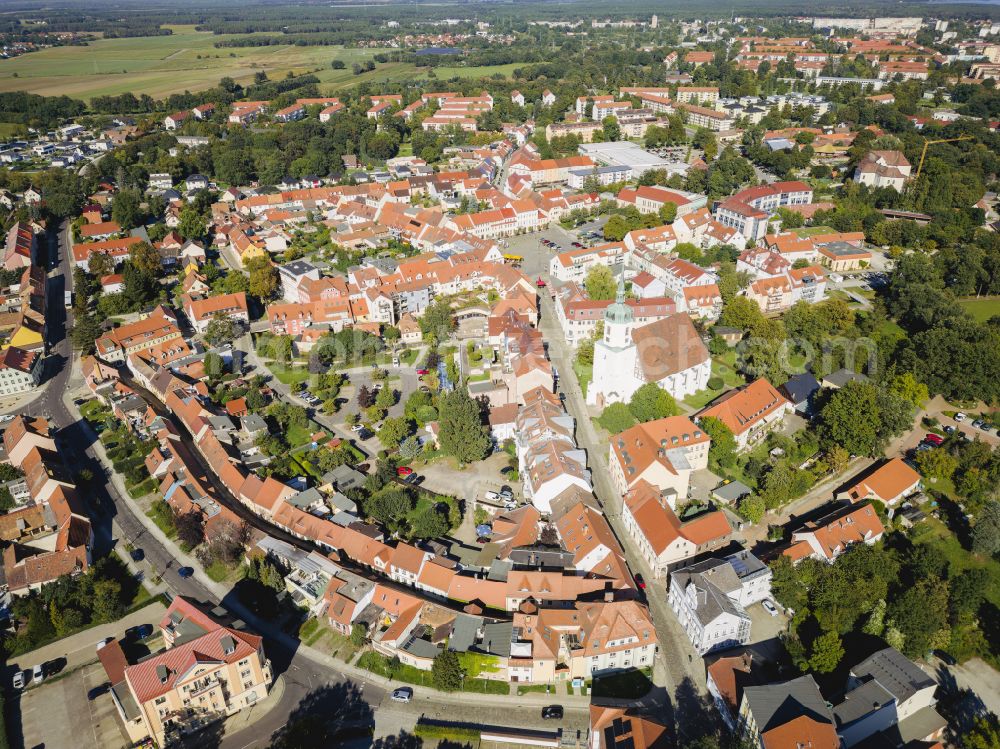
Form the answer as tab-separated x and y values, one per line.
499	375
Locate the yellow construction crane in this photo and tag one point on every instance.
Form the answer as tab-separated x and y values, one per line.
923	153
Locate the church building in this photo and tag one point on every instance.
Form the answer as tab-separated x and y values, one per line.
668	352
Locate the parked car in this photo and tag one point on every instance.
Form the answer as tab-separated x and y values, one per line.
552	712
639	581
103	642
357	428
404	471
38	674
139	632
18	682
422	372
137	555
185	572
492	496
769	607
949	429
933	439
403	694
540	283
960	416
977	423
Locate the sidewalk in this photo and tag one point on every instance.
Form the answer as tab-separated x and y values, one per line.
81	648
250	715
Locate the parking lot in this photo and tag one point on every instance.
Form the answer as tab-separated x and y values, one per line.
58	713
537	255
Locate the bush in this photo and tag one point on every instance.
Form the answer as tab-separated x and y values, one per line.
460	733
715	383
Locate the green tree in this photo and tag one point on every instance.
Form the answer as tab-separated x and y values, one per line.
192	223
264	280
438	320
612	130
600	283
861	418
668	213
919	612
722	451
876	620
221	329
126	208
394	431
615	229
616	418
752	508
936	464
389	505
106	601
446	671
429	523
651	402
827	652
984	734
359	633
908	387
986	531
461	431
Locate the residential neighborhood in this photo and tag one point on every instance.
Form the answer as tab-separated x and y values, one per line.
536	378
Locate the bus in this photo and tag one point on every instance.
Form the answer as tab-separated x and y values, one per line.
513	259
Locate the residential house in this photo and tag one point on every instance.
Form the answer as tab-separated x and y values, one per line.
750	412
830	536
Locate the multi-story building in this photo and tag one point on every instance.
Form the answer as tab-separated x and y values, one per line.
710	599
207	672
158	326
663	540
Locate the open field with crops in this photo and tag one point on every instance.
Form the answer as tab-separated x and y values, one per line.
185	60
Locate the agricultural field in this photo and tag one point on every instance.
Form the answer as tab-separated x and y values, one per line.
184	61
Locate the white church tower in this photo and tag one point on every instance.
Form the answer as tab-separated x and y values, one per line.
615	356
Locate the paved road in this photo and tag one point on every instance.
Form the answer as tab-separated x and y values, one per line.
677	660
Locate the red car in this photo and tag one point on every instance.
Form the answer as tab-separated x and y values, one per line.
540	283
639	581
404	471
423	371
933	439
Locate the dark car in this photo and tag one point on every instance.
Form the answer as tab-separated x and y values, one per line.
97	691
137	555
185	572
639	581
139	632
552	712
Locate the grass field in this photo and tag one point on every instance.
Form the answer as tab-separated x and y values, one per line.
982	309
185	60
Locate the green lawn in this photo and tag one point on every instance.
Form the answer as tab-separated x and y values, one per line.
724	367
983	308
584	375
935	533
477	71
291	376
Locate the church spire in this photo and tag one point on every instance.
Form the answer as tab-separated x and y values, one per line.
619	313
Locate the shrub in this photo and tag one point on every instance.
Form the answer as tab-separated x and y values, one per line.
715	383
